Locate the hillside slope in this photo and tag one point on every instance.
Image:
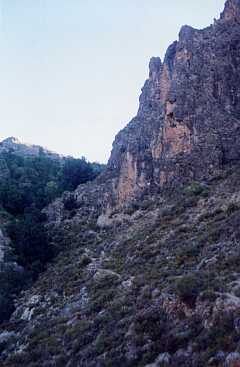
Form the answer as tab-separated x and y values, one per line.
28	182
162	283
149	272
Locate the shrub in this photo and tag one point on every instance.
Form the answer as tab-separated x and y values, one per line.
11	281
188	288
30	242
232	208
197	188
70	202
151	322
85	260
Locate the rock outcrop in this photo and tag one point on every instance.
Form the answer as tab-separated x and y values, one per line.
188	123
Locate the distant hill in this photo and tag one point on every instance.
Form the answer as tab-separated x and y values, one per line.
14	145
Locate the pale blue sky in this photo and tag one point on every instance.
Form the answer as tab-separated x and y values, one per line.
71	71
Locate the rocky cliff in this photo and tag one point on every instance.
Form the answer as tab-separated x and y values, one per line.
188	122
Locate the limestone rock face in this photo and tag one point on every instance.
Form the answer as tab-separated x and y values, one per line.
232	10
188	122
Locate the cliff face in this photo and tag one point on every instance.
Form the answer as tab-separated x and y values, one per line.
188	122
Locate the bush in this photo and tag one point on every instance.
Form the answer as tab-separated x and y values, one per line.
232	208
70	202
30	242
197	188
188	288
11	281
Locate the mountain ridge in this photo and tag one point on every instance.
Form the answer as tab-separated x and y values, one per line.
13	144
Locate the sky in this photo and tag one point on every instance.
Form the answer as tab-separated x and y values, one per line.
71	71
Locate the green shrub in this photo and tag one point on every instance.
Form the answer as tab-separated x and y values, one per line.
197	188
188	288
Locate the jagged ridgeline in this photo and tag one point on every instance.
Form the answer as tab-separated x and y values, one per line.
30	178
149	272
